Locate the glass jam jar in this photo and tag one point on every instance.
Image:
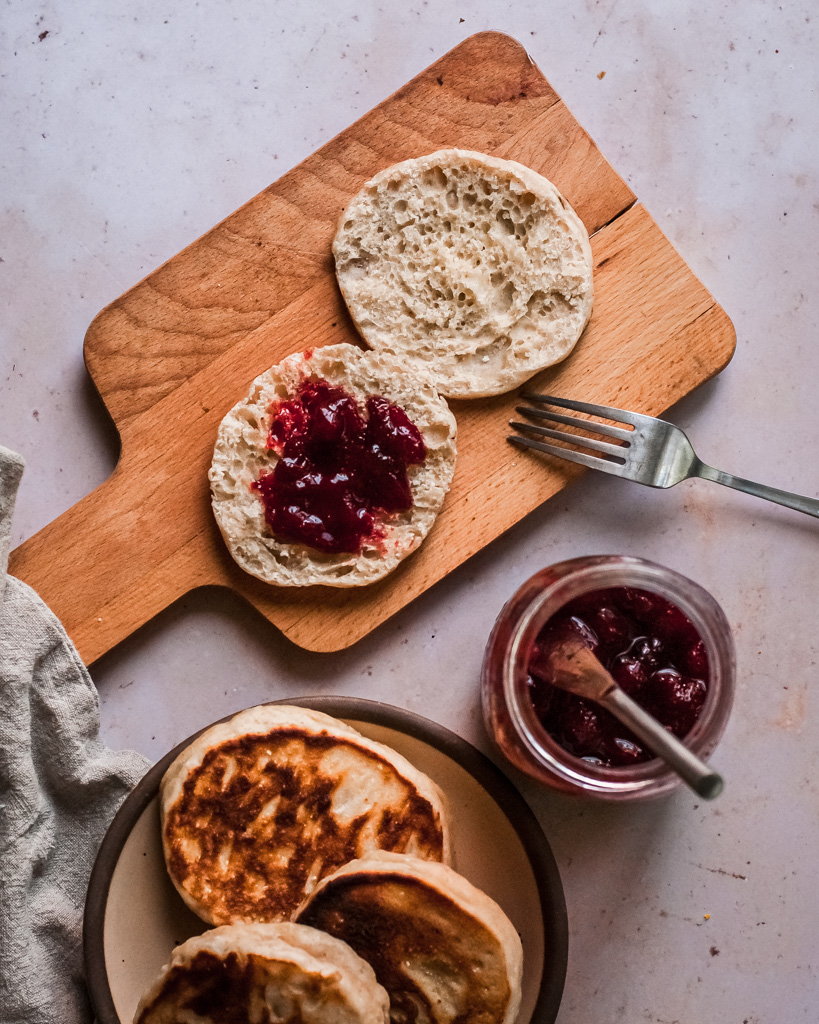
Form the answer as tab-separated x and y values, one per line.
510	715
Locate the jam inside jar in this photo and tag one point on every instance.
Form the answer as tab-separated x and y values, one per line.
664	639
652	650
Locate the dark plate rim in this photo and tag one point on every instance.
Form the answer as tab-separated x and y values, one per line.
484	771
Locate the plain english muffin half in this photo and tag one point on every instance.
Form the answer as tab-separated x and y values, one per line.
264	973
443	950
243	458
471	268
258	809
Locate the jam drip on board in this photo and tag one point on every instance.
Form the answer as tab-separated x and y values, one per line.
653	652
339	474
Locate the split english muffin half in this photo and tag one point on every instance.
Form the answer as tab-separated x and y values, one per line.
332	469
473	269
443	949
264	972
258	809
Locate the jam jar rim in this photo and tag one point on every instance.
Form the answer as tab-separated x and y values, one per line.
709	620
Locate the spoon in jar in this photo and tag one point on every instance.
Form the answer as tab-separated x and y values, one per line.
572	666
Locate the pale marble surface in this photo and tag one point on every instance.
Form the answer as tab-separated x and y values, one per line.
128	131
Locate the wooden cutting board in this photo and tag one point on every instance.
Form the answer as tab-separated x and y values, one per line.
174	353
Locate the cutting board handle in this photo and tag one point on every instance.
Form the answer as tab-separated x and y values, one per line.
110	563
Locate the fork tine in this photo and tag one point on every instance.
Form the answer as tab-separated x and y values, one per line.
574	421
569	454
583	442
606	411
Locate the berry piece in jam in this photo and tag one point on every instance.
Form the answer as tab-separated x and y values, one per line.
581	730
621	752
676	700
614	631
672	625
649	651
694	659
339	474
393	433
639	604
629	674
652	650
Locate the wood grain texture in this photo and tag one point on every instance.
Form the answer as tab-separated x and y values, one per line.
173	354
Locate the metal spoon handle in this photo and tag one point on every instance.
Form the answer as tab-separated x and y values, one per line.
702	779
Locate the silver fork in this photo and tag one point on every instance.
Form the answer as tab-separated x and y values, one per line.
652	452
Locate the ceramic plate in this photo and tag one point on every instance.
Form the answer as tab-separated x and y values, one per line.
134	916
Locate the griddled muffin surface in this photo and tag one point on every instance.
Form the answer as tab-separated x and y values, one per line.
260	808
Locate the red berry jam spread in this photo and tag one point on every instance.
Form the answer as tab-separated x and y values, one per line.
653	652
339	473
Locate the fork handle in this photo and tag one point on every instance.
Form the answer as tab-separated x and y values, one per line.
800	502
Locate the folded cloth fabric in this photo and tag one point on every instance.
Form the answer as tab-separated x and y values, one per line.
59	789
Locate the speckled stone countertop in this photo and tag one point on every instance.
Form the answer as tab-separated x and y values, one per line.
130	131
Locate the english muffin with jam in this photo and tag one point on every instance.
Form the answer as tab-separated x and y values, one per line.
332	469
